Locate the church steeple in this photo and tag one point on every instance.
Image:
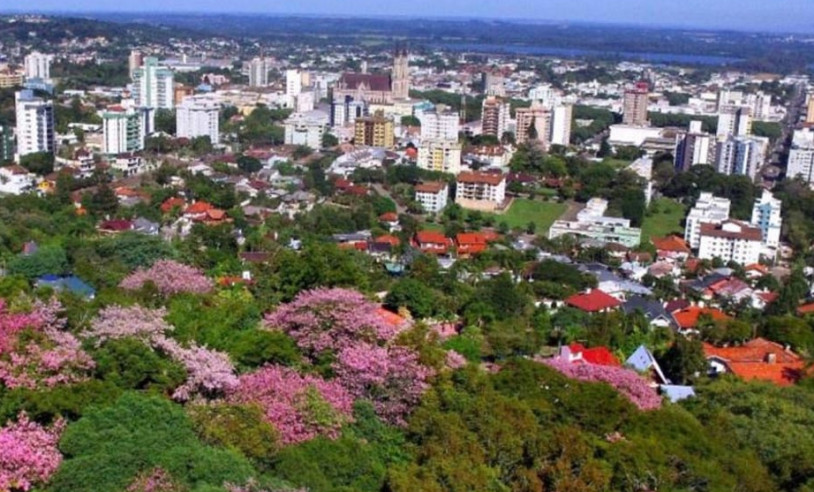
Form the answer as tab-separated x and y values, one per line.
401	74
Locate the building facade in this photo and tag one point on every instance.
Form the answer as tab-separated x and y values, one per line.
374	131
731	240
634	105
709	209
495	117
591	223
693	148
38	66
123	131
35	124
480	191
561	119
734	121
432	197
258	72
533	124
198	116
153	85
306	129
377	88
741	155
439	124
801	156
440	155
766	215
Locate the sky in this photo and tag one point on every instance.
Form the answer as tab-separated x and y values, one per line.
763	15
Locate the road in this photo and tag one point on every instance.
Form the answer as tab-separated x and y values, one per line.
383	192
783	143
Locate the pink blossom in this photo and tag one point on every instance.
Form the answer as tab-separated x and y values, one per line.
28	453
116	322
209	373
390	377
627	382
454	360
332	319
300	407
169	277
13	323
50	357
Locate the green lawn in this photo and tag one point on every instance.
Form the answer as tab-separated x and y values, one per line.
524	211
666	220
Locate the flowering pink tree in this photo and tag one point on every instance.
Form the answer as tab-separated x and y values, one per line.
300	407
209	373
48	357
155	480
116	322
331	319
28	453
625	381
390	377
169	277
13	323
454	360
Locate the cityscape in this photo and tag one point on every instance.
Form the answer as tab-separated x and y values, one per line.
321	252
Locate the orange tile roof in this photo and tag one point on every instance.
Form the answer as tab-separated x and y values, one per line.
432	187
751	361
673	244
389	217
688	318
215	214
806	308
594	301
388	239
198	208
492	179
431	237
391	318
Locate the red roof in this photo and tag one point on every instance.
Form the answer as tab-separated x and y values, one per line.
433	187
388	239
760	359
688	318
391	318
171	203
116	225
471	242
594	301
806	308
673	244
198	208
492	179
389	217
431	237
597	355
374	82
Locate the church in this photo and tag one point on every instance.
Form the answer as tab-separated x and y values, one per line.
370	88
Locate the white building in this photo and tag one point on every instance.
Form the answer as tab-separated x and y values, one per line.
440	155
734	120
306	129
258	72
708	209
432	196
766	216
153	85
123	130
35	124
439	124
38	66
293	82
198	116
730	240
591	223
16	180
625	135
545	95
741	155
561	125
481	191
128	164
801	156
495	116
693	147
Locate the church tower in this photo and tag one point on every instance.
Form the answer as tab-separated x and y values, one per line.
401	74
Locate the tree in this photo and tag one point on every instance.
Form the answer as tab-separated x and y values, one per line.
103	201
29	454
249	164
329	140
169	277
46	260
41	163
201	145
419	299
165	121
683	360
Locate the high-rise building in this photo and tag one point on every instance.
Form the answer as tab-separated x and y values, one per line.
533	124
801	156
153	85
401	75
134	62
439	124
197	116
35	124
374	131
561	117
740	155
634	104
734	120
730	240
709	209
123	130
480	191
494	117
306	129
258	72
766	216
440	155
293	82
693	147
810	107
38	66
494	84
545	95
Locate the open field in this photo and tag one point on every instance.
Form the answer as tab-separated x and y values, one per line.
523	211
666	220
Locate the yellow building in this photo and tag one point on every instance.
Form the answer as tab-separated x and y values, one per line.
374	131
440	155
10	79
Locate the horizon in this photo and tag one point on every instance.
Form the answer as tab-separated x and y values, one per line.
790	16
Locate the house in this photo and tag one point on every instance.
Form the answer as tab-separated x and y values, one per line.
732	289
652	310
390	220
197	211
481	191
613	284
594	301
432	196
254	256
432	242
577	353
687	318
470	243
758	359
16	180
671	248
145	226
115	226
383	246
731	240
591	224
642	360
171	204
72	284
